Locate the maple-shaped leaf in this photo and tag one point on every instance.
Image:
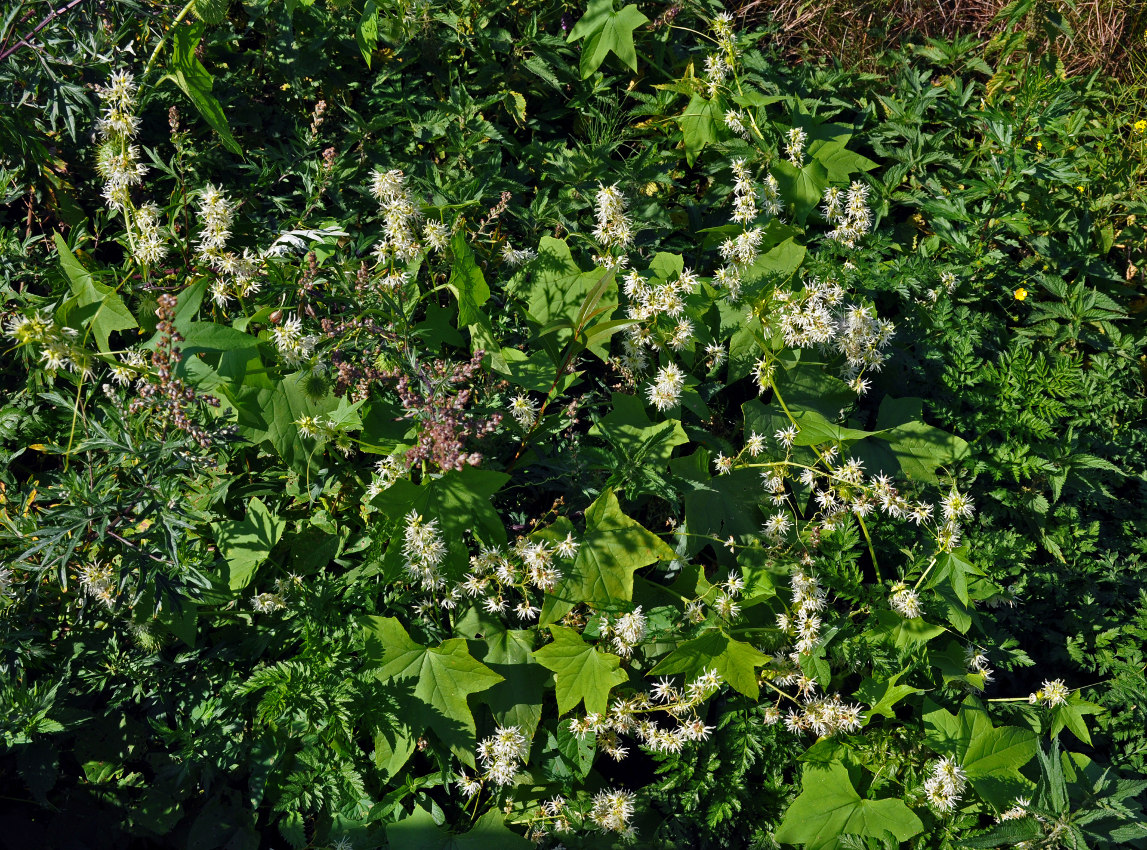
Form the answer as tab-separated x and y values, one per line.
734	660
606	31
613	548
829	807
582	673
445	675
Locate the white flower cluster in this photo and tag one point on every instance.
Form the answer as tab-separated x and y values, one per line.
515	256
977	662
424	550
665	392
612	810
268	603
216	214
820	317
849	212
387	471
149	244
502	754
1053	693
804	622
324	430
400	217
944	785
824	717
659	304
497	575
904	601
795	140
678	704
735	121
717	70
739	252
627	631
98	582
524	410
58	349
117	158
294	346
614	230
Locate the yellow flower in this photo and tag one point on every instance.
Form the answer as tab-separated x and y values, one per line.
1020	294
1140	126
1039	146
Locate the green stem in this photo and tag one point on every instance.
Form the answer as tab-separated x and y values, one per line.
178	20
871	551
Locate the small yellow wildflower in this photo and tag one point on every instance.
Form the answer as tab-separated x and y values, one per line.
1140	126
1039	146
1020	294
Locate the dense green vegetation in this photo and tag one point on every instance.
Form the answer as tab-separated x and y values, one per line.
438	423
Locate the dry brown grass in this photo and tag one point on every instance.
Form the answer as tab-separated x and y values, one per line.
1108	34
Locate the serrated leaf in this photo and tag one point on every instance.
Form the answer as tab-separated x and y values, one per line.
699	124
95	305
467	282
582	673
188	73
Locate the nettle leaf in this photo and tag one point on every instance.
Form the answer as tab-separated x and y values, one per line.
187	72
467	282
420	832
582	672
606	31
95	305
734	660
246	543
990	756
614	547
445	675
829	806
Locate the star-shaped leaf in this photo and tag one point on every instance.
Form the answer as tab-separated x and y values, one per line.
582	673
614	547
606	31
829	807
445	675
734	660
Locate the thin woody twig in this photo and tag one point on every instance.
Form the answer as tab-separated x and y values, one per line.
23	42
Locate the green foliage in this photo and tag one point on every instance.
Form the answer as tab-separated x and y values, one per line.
435	439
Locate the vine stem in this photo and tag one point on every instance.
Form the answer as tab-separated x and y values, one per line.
871	551
178	20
